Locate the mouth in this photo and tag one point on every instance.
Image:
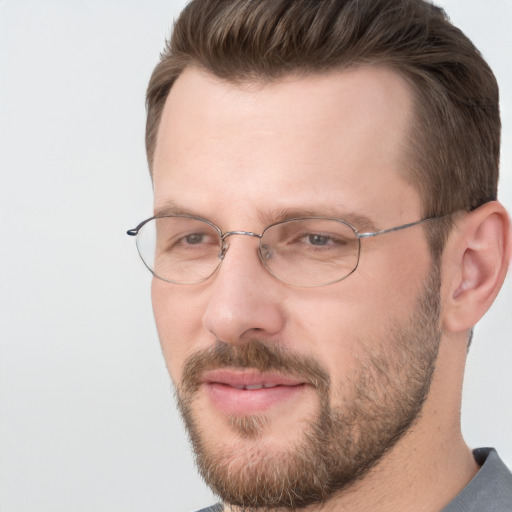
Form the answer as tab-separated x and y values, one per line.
245	392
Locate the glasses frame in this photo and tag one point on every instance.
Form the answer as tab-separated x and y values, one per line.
224	246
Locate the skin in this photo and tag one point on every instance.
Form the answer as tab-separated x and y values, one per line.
330	144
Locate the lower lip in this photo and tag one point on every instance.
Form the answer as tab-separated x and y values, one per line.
250	401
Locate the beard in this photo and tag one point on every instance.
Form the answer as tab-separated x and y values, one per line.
380	400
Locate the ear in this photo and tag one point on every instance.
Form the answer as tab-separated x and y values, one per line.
475	261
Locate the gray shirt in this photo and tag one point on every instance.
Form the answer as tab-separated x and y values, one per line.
489	491
491	488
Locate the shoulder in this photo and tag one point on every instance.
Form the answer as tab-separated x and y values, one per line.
490	489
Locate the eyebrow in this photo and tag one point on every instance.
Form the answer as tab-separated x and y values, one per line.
361	222
171	208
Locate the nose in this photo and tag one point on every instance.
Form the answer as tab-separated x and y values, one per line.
245	300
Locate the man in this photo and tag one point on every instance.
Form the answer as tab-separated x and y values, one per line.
325	236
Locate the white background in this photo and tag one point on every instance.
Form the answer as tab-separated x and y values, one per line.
87	419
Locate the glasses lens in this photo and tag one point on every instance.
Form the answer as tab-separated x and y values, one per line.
179	249
310	252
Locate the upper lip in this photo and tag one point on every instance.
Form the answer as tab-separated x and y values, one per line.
249	379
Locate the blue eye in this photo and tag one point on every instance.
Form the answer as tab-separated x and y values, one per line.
318	239
194	238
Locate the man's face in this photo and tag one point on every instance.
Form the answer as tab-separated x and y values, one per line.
292	393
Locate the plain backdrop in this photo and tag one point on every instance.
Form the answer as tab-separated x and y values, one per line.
87	418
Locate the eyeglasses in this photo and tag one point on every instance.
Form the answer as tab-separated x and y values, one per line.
307	252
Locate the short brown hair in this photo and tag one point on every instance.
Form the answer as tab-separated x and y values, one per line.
455	137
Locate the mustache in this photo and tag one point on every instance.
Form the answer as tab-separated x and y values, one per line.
255	355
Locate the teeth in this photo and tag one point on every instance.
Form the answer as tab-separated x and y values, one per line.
256	386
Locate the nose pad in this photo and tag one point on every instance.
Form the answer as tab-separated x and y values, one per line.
266	252
223	249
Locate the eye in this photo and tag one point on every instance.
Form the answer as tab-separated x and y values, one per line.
326	240
194	238
319	240
190	241
311	238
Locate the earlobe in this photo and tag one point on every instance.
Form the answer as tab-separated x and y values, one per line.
477	256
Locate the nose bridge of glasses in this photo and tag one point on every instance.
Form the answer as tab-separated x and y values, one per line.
225	236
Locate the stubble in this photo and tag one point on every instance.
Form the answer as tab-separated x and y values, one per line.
339	444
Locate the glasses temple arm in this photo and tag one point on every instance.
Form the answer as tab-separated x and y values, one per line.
397	228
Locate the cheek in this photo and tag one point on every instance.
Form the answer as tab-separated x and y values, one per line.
392	271
326	325
339	325
178	324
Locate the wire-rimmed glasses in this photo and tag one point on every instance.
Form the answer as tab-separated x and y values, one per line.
307	252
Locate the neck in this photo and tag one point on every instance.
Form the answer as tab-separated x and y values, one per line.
416	475
429	466
419	473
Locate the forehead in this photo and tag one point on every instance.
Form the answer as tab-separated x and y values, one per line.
327	138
